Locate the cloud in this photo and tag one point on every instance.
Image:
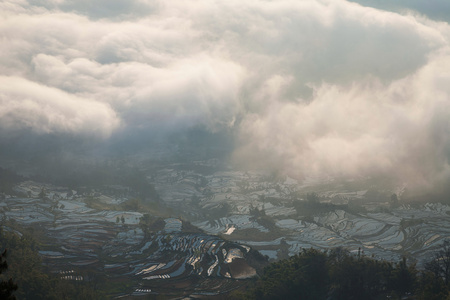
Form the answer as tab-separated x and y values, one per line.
148	71
400	128
314	86
25	105
193	91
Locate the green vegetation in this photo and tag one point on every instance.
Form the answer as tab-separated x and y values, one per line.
150	224
338	274
187	227
440	264
259	215
312	206
33	281
221	210
134	204
250	234
7	287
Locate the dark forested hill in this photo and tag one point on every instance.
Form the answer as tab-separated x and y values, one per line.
26	270
338	274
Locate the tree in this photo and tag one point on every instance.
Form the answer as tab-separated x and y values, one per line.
337	274
404	277
394	200
42	194
132	204
6	287
25	266
312	198
440	264
431	287
303	276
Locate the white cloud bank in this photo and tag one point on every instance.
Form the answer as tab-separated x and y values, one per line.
27	105
312	87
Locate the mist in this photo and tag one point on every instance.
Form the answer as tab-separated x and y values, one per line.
303	88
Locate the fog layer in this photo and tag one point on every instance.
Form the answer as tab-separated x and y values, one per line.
309	88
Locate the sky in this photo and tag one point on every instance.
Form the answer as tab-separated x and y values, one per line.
307	87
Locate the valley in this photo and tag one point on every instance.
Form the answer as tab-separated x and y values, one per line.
211	232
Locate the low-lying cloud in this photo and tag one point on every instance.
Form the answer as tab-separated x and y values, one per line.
400	128
27	105
312	87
